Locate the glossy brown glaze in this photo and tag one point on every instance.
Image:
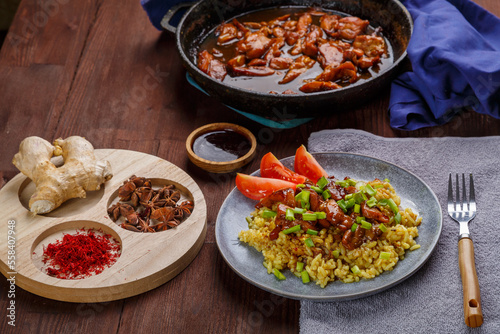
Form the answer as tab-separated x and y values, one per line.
295	50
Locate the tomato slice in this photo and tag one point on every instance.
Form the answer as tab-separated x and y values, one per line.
271	167
306	165
255	187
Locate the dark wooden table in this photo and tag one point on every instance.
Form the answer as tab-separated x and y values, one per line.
99	69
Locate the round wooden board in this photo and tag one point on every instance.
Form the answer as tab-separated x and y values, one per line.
147	259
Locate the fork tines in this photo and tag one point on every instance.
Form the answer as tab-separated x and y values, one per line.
457	204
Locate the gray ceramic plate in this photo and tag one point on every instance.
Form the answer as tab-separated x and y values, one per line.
414	193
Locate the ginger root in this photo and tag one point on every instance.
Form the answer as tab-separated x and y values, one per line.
81	171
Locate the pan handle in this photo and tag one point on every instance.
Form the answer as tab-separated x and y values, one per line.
165	22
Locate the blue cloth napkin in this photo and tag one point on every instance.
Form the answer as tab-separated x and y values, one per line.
156	10
455	55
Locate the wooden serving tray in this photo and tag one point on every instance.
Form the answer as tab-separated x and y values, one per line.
147	260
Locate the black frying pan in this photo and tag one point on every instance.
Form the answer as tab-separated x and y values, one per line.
202	17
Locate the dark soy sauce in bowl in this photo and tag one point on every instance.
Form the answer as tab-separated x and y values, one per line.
221	145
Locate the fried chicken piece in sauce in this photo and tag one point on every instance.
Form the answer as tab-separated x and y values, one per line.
374	213
318	86
252	71
301	27
257	62
279	21
371	45
211	66
275	48
280	63
254	45
336	216
367	62
345	71
352	240
228	33
330	54
351	26
310	47
285	196
281	221
299	66
329	24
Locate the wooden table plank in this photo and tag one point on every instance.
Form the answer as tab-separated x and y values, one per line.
228	304
37	72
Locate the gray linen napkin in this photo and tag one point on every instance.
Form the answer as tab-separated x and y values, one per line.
430	301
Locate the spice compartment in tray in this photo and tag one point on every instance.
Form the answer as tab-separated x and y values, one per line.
146	260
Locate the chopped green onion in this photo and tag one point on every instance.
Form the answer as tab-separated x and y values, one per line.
268	214
385	255
366	225
371	202
321	215
357	208
360	185
382	228
309	242
387	180
355	270
350	203
327	194
298	210
292	229
397	218
249	220
303	198
278	274
336	253
300	185
309	216
317	189
383	201
378	186
359	197
352	182
369	190
322	182
348	196
392	205
300	266
342	183
289	214
305	277
342	205
354	227
311	232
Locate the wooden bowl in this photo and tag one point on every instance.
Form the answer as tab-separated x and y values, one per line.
225	166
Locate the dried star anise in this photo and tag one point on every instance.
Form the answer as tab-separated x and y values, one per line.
149	210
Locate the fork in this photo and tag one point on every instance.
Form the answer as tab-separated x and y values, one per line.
463	211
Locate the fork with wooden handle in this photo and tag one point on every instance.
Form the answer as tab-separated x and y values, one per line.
463	212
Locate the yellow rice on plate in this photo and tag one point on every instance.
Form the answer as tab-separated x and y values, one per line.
320	261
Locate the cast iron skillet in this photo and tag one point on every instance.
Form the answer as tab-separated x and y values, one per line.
202	17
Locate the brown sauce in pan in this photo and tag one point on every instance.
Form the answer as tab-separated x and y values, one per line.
269	84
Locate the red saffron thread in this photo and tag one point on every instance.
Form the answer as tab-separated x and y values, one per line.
80	255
